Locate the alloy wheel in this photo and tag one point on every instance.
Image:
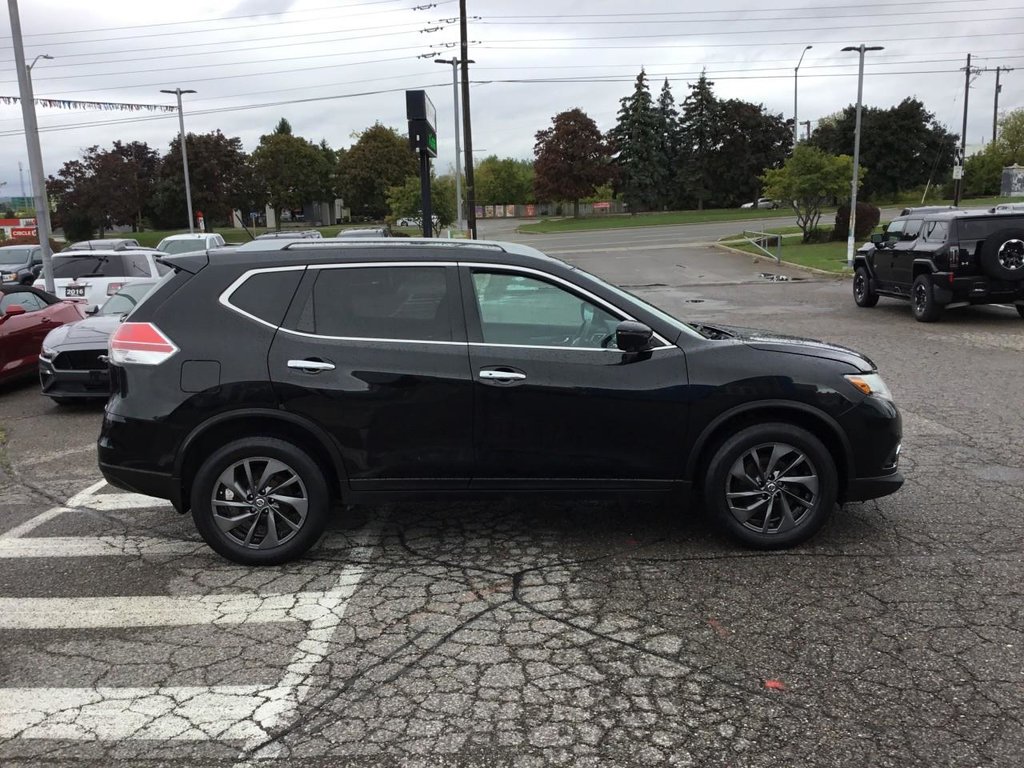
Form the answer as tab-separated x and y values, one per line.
920	298
859	286
772	488
259	503
1011	254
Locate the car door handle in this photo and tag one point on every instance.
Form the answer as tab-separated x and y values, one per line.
311	366
502	375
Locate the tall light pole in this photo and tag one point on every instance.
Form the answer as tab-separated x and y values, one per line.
861	49
184	155
35	153
796	120
454	61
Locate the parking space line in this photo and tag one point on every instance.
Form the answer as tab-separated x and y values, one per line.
164	611
184	713
30	525
95	546
78	499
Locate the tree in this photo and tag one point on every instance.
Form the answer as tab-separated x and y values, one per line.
698	128
671	139
809	180
284	128
146	162
904	146
503	181
637	143
293	170
749	141
405	201
983	172
571	159
380	159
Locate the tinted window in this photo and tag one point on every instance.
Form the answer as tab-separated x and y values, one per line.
515	309
911	229
137	265
182	246
125	300
29	301
267	295
82	264
936	231
896	227
17	257
379	303
979	229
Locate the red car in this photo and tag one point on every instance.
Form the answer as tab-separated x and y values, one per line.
26	316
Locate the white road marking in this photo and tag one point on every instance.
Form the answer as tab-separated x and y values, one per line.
81	496
110	502
54	455
96	546
30	525
186	713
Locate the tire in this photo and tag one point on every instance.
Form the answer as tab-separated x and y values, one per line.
252	540
1002	255
922	300
756	515
863	291
63	400
1020	310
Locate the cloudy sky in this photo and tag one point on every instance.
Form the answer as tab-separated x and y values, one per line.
333	67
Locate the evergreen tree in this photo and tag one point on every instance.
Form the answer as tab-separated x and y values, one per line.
637	143
668	131
699	132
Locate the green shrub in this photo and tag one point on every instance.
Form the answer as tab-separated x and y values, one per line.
868	216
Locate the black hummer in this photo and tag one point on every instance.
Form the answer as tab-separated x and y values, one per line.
942	259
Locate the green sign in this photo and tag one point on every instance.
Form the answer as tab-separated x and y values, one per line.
432	144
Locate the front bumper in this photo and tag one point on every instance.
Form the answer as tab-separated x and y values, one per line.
92	384
865	488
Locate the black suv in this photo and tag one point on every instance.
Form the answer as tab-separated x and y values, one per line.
941	258
259	391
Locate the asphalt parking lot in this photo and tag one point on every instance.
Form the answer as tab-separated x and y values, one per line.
528	633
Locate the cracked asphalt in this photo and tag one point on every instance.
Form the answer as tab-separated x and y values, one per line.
526	633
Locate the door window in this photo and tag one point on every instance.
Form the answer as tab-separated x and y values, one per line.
525	311
401	303
936	231
28	300
895	230
911	229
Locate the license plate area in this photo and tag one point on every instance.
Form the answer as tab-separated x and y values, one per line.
74	291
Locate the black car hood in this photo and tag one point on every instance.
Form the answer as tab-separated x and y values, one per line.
91	332
794	345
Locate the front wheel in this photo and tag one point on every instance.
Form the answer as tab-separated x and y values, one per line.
771	486
260	501
922	298
863	291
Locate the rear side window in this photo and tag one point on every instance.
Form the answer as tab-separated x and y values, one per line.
137	265
87	264
266	295
936	231
401	303
979	229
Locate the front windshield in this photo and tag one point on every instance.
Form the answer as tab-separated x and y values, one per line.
174	247
661	314
14	256
124	301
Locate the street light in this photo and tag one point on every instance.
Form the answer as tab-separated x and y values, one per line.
35	154
454	61
37	58
184	153
796	122
861	49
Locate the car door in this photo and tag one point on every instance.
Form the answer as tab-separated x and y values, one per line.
903	255
376	354
882	258
22	335
556	405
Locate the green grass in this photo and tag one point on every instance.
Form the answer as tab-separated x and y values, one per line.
830	257
624	220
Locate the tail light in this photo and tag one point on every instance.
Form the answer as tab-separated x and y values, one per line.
141	344
113	288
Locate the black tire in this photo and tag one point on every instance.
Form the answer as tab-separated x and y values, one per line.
863	289
768	498
1020	310
63	400
922	300
254	524
1002	255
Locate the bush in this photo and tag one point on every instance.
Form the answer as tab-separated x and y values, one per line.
78	226
820	235
54	245
868	217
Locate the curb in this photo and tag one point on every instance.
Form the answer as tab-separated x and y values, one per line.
813	270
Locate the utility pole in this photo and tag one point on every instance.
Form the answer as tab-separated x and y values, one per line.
861	49
963	136
467	127
21	175
35	153
796	72
460	225
184	156
995	106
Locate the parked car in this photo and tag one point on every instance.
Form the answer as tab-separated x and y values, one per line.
26	316
93	276
944	259
20	264
415	221
303	234
73	357
186	243
343	370
762	202
106	244
359	234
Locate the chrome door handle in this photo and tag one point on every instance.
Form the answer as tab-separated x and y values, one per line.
310	366
502	375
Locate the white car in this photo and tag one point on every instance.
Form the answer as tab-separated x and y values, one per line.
762	202
187	243
93	276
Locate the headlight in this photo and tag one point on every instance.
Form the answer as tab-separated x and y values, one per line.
49	352
870	384
9	277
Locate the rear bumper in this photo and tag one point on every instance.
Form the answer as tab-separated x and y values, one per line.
865	488
147	483
976	289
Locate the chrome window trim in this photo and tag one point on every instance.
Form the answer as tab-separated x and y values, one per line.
224	298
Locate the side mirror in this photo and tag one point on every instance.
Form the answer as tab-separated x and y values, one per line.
36	269
93	309
879	239
632	337
14	310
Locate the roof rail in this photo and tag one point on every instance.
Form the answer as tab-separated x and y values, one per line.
388	242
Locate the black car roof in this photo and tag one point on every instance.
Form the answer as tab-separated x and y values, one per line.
47	297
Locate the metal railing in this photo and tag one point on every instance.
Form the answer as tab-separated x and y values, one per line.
764	240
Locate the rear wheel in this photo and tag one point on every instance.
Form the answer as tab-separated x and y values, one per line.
771	486
260	501
863	291
922	299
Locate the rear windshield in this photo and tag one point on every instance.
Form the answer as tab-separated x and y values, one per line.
979	229
83	263
173	247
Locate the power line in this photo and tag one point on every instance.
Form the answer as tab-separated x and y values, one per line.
858	6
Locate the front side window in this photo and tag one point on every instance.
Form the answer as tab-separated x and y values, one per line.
526	311
400	303
895	230
912	229
28	300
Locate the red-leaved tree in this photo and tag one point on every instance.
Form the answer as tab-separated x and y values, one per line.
571	159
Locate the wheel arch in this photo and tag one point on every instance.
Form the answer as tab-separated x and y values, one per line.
815	421
224	427
923	267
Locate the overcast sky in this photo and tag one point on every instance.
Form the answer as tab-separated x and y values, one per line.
319	62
